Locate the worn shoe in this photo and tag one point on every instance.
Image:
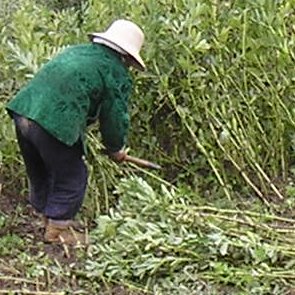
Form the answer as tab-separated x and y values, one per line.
63	231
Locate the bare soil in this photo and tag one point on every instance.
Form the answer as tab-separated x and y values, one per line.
22	221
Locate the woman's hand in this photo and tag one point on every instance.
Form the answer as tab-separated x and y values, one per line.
118	156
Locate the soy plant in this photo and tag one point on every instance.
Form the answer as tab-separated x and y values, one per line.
34	35
158	240
231	95
12	174
103	177
212	106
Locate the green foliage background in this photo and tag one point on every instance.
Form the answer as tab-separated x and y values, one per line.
215	107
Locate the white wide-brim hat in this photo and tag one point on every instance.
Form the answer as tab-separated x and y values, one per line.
123	35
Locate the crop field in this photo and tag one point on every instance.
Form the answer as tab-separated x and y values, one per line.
215	108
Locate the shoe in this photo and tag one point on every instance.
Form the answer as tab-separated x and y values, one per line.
64	232
72	223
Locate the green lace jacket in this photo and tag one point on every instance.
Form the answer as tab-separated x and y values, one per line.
82	84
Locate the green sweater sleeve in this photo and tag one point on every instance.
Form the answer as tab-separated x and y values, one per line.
114	118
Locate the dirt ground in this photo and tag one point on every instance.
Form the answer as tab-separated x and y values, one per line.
22	221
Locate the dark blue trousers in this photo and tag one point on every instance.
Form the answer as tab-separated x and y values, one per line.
56	172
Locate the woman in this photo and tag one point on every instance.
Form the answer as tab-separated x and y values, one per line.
83	84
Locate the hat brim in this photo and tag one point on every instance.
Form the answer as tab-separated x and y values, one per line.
138	62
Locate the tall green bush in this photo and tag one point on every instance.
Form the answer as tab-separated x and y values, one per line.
215	104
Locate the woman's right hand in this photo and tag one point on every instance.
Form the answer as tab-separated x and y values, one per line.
118	156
